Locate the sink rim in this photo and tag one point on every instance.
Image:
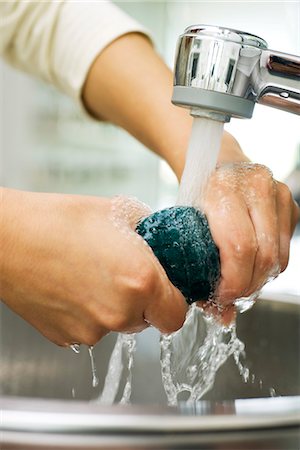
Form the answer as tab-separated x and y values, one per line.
81	417
21	414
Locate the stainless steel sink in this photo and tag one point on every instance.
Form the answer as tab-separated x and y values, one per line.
39	380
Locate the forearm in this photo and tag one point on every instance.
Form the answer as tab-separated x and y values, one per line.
23	216
131	86
8	228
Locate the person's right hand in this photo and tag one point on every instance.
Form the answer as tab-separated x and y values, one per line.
75	273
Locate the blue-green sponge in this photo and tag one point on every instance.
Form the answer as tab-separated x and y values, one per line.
181	240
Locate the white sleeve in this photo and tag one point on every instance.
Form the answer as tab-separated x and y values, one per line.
59	40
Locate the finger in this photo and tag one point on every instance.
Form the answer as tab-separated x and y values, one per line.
286	211
228	316
263	212
128	210
296	215
88	335
233	233
167	310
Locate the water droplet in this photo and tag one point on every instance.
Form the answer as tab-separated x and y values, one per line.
95	380
75	348
272	392
119	368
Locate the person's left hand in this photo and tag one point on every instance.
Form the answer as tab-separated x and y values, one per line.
252	218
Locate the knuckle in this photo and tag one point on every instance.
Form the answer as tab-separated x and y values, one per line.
178	323
232	291
144	283
59	342
243	247
120	322
125	320
263	181
89	338
284	258
263	171
284	193
266	186
283	263
89	335
249	248
235	292
270	259
174	326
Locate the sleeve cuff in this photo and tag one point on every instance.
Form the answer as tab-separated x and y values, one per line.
83	30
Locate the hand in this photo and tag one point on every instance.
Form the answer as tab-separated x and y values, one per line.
252	218
75	272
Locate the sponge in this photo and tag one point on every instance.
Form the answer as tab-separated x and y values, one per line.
181	240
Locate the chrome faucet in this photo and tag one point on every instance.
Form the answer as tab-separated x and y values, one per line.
221	73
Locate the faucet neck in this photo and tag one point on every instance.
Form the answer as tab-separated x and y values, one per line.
277	82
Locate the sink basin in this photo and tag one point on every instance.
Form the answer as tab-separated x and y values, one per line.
39	381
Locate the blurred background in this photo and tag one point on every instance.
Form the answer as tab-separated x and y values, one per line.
48	144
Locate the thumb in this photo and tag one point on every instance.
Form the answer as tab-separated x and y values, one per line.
167	311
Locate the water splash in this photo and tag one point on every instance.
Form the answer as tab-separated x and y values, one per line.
75	348
95	379
131	346
191	357
119	369
243	304
273	392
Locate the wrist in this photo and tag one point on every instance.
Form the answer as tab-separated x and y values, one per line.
230	150
176	148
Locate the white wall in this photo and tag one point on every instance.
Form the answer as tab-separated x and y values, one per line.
16	96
